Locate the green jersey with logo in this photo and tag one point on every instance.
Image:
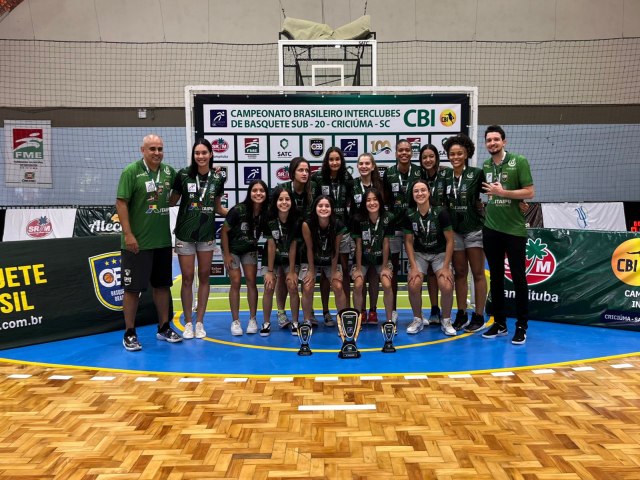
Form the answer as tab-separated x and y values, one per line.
197	212
321	251
463	198
503	214
373	235
428	230
340	189
301	201
282	234
242	237
358	193
397	188
147	195
436	187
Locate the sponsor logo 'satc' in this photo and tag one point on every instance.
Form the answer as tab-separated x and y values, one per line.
625	262
540	263
39	227
106	276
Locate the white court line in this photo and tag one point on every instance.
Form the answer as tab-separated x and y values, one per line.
147	379
460	375
503	374
543	370
622	365
371	377
281	379
190	380
235	380
583	369
102	379
335	407
60	377
19	375
415	377
327	379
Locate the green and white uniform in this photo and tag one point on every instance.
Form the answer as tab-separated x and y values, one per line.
428	230
321	252
437	188
503	214
196	216
282	234
242	238
462	197
397	189
341	190
301	202
373	235
147	195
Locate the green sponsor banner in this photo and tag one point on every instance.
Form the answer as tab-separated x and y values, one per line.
581	277
62	288
93	221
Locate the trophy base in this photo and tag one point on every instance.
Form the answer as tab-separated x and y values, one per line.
349	350
388	348
305	352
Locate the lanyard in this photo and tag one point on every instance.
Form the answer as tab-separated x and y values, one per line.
375	229
281	234
428	222
206	187
148	170
335	189
457	189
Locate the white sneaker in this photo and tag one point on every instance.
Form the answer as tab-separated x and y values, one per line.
253	326
188	331
283	321
425	320
394	317
447	328
415	326
200	332
236	328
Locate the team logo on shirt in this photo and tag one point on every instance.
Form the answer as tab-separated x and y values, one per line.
106	276
275	234
512	162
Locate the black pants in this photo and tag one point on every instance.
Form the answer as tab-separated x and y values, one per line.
496	245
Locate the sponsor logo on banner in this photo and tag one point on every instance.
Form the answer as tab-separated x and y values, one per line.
448	117
316	146
218	229
582	217
28	144
540	262
219	145
39	227
252	173
315	168
106	276
217	269
218	118
106	226
625	262
349	147
284	152
380	147
283	174
224	200
252	146
415	145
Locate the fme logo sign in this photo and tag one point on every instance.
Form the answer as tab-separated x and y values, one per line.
252	173
218	118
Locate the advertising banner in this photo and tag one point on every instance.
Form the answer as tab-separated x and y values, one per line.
38	223
92	221
587	278
64	288
27	153
585	216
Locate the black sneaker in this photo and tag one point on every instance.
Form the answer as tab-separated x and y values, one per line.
519	337
495	331
265	330
130	341
461	320
476	323
168	335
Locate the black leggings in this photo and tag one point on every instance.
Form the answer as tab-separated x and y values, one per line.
496	245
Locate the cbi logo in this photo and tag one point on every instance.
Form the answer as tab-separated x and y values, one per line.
448	117
625	262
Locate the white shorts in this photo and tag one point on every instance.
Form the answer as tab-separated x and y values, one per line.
423	260
326	269
250	258
347	244
462	241
285	269
190	248
396	242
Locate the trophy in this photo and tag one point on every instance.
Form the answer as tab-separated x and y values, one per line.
349	321
388	332
304	334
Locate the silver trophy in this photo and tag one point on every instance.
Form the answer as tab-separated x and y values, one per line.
349	321
304	335
388	332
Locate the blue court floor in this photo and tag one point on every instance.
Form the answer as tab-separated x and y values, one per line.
428	352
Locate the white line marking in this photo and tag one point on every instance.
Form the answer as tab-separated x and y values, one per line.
622	365
60	377
583	369
503	374
327	379
371	377
235	380
19	375
281	379
147	379
543	370
336	407
102	379
460	375
189	380
415	377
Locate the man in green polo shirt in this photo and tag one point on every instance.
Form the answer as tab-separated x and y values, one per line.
508	182
142	204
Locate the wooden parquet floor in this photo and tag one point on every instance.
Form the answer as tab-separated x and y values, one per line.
564	424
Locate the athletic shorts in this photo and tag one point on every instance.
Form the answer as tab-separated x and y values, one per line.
250	258
462	241
276	269
190	248
396	242
365	269
147	266
347	244
424	260
326	269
